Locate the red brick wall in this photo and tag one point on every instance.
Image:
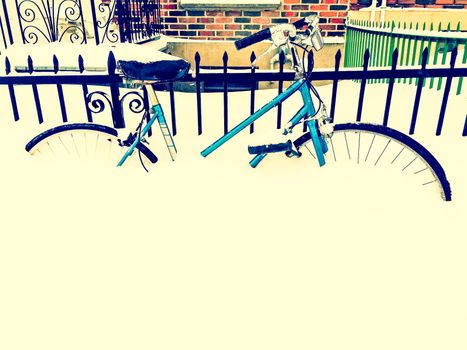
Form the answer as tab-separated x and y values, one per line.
233	24
443	4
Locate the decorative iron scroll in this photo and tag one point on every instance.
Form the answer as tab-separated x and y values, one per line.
105	22
135	102
51	20
98	102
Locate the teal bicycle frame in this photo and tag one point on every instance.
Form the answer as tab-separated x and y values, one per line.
307	110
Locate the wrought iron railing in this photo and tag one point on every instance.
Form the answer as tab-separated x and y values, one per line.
79	21
110	97
138	20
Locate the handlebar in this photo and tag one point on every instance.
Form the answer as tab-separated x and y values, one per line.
265	34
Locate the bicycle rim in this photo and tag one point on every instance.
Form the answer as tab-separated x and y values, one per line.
87	142
377	145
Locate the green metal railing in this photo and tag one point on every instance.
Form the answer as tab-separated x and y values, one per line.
382	38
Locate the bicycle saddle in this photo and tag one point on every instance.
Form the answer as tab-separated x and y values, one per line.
164	70
148	64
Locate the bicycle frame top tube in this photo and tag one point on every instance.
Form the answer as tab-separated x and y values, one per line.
308	107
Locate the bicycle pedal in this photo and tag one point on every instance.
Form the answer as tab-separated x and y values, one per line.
293	153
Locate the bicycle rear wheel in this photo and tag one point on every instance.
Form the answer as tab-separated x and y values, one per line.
381	145
87	142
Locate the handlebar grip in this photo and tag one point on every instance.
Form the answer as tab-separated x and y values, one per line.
253	39
264	34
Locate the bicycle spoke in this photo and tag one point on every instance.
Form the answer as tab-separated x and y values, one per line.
76	147
86	145
430	182
310	152
347	144
383	152
110	148
358	149
51	149
95	148
398	154
332	147
63	144
419	171
369	149
413	160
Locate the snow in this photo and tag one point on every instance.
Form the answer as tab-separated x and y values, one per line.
93	55
208	253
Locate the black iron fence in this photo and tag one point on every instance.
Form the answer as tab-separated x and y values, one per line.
78	21
389	75
138	20
100	92
109	95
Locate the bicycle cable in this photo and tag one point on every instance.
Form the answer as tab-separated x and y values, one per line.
307	77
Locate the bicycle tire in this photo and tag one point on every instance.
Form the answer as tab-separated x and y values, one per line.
420	152
66	132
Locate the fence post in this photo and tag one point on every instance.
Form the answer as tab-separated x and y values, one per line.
418	94
146	106
117	116
280	88
435	57
11	90
464	132
5	44
94	22
8	23
172	108
464	61
447	90
252	90
366	59
394	57
225	59
198	93
85	88
389	54
35	92
61	98
121	22
334	85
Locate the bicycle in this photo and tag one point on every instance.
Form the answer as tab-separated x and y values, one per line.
81	139
320	131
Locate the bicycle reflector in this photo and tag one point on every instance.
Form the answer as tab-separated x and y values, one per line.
317	39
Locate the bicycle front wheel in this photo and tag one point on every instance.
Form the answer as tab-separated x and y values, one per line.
93	142
380	145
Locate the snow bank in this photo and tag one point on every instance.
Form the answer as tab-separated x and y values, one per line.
209	253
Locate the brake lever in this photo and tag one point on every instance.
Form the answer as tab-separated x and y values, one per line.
271	48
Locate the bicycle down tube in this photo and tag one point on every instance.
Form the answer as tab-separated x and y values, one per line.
306	110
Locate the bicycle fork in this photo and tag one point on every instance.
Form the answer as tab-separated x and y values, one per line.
308	110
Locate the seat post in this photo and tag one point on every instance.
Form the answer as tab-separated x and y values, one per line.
154	101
